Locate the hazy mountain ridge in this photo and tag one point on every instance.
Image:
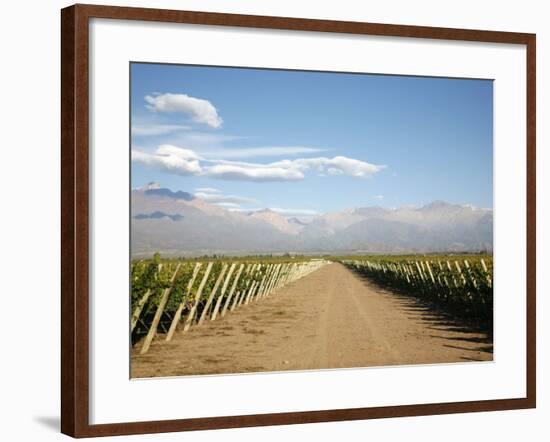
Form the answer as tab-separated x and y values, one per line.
178	223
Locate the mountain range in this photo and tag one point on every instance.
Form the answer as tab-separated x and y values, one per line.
181	224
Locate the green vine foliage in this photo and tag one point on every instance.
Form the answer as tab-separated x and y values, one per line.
463	285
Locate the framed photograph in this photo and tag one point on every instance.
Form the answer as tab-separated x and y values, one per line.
272	220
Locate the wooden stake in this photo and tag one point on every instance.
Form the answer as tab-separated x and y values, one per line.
239	299
191	314
184	296
430	272
232	290
139	307
160	308
212	294
250	292
472	278
141	304
222	293
460	272
487	275
268	280
271	285
261	288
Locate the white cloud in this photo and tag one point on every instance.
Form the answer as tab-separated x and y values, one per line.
219	198
170	159
378	197
294	212
207	143
291	170
339	166
198	109
253	172
207	190
281	211
187	162
228	205
170	150
156	129
268	151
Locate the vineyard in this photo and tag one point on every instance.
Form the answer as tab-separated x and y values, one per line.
463	285
170	296
174	295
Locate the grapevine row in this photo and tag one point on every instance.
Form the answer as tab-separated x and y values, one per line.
465	287
172	295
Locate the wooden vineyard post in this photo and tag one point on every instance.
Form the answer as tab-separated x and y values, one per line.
451	272
275	278
469	271
421	270
191	314
444	278
280	277
436	286
304	270
139	307
460	273
268	279
250	292
188	289
239	298
260	291
160	308
237	295
299	270
289	274
245	299
222	293
258	285
232	290
410	271
265	282
292	273
271	285
284	278
405	272
489	280
212	294
430	272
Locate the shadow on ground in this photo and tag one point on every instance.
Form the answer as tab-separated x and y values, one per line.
438	319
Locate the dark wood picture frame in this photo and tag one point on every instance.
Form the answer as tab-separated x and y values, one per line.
75	219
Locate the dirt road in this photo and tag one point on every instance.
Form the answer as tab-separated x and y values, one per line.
330	319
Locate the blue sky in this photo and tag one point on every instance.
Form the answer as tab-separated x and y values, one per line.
311	142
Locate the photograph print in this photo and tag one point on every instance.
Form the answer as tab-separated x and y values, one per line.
303	220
